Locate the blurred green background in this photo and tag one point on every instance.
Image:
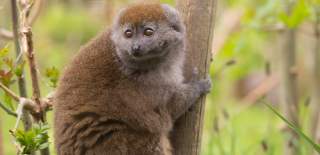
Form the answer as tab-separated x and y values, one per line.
246	47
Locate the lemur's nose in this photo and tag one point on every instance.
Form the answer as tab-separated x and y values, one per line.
136	50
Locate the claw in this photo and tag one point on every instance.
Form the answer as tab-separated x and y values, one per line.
205	85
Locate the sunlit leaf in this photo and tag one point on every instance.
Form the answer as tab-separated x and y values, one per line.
8	101
18	70
34	139
4	52
53	75
299	12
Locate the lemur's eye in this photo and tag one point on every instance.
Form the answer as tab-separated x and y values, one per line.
148	32
128	33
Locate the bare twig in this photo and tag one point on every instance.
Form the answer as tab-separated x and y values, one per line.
30	105
6	34
7	110
9	92
27	44
47	102
262	89
35	12
27	122
32	17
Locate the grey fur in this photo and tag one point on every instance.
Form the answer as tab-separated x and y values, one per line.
168	60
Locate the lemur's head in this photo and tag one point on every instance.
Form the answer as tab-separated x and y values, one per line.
146	35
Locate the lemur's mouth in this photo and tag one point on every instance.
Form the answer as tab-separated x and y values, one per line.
152	54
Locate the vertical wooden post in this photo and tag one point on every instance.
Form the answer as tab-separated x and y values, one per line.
290	103
315	75
198	16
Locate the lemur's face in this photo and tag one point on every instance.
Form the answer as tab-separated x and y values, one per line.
145	43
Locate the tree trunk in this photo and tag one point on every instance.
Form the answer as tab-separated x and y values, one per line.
290	102
315	74
199	19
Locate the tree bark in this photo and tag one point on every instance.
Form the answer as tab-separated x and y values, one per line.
315	69
290	101
199	19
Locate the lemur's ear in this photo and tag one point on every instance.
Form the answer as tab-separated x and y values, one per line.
174	18
116	20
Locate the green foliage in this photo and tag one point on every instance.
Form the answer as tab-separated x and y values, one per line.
8	68
171	2
32	140
4	52
262	15
64	24
241	48
299	12
18	70
6	74
296	129
53	75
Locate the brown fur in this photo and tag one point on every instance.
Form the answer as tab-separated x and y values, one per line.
99	110
138	13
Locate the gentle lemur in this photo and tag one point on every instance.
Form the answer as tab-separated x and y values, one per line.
123	91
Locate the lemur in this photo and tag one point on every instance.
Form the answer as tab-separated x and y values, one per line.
123	91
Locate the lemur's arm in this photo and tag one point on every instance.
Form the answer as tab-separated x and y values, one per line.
186	95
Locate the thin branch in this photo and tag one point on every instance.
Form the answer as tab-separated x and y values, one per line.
27	44
10	92
32	17
34	14
47	102
6	34
262	89
30	105
7	110
27	122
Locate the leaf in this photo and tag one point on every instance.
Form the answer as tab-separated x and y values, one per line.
6	77
299	12
8	101
18	70
295	129
4	52
32	140
44	145
53	75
